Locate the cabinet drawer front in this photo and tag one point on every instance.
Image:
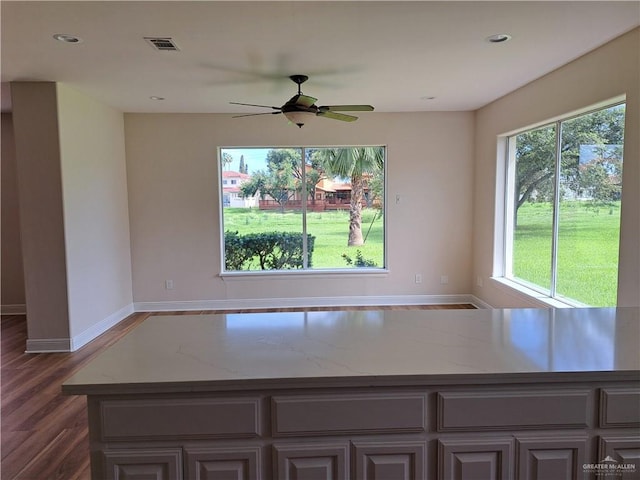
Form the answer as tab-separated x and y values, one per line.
214	463
311	461
473	459
620	407
143	464
465	411
384	459
328	415
556	456
179	418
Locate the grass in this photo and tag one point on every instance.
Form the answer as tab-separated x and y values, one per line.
587	255
587	250
331	229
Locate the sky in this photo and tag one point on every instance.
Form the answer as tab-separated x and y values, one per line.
254	158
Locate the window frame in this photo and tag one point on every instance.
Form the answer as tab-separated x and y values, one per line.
337	272
504	227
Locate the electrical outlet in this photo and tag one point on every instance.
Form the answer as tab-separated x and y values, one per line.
479	281
444	279
168	284
418	278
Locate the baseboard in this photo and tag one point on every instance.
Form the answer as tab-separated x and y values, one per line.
94	331
55	345
476	302
257	303
17	309
48	345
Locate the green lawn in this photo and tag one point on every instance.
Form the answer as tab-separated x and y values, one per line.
331	229
587	258
587	250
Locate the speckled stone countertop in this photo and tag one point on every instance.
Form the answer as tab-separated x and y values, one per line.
359	348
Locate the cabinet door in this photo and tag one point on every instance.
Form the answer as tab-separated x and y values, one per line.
384	460
551	458
143	464
475	459
213	463
623	452
311	461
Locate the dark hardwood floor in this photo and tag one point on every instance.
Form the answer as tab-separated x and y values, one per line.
44	434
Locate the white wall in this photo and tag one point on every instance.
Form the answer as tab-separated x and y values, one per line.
174	203
610	71
96	217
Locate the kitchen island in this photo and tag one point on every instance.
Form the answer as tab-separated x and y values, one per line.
370	394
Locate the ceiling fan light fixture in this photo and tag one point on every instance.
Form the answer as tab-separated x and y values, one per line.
299	118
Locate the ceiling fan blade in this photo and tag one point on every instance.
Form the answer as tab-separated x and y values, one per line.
254	114
346	108
302	100
254	105
337	116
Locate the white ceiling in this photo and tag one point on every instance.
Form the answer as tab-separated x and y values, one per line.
389	54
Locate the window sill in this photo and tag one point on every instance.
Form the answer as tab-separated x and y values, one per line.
531	295
284	274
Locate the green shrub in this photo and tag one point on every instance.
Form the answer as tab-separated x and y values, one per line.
360	261
266	251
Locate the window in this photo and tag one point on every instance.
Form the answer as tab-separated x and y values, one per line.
303	208
563	207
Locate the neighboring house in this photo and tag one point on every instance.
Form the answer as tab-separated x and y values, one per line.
334	195
328	195
232	196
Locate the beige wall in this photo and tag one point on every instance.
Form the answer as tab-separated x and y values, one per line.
74	214
96	216
603	74
35	121
12	276
174	203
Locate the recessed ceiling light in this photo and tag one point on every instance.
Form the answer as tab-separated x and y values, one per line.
499	38
154	97
66	38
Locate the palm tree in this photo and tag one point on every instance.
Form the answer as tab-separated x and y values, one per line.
227	160
356	164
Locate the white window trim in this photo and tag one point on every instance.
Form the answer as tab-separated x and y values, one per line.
503	229
316	272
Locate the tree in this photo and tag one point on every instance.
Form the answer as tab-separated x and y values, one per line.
289	159
535	165
227	160
279	181
278	185
357	164
600	179
242	168
282	179
535	153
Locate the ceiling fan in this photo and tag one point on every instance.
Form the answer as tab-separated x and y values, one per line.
299	107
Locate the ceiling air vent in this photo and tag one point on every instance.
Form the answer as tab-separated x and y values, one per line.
165	44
